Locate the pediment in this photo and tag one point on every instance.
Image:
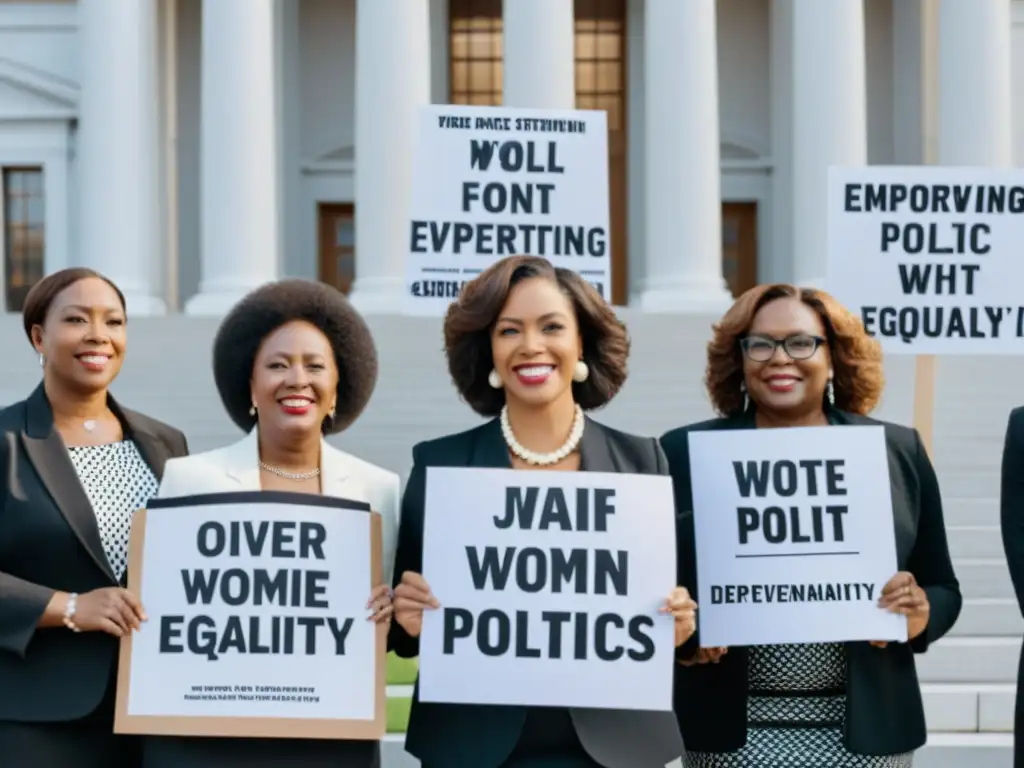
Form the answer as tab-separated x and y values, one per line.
27	93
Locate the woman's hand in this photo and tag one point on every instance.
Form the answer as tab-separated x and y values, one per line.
412	597
705	656
380	604
684	611
112	610
903	595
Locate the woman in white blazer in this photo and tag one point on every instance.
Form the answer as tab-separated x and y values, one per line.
293	361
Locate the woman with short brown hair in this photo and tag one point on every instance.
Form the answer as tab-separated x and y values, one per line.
784	357
535	346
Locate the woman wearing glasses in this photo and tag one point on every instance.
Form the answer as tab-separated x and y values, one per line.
790	357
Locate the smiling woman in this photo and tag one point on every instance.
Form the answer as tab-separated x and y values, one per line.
293	361
76	467
537	347
781	357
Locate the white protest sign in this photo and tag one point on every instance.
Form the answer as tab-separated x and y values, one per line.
491	182
794	534
257	618
550	585
928	257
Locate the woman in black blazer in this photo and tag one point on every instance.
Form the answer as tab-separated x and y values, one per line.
535	346
1011	513
783	357
75	466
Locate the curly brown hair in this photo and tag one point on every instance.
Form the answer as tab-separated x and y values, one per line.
470	320
857	381
263	311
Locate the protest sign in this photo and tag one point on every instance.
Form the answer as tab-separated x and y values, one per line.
795	535
491	182
548	577
257	619
927	256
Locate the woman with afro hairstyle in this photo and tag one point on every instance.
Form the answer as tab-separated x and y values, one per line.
794	357
292	361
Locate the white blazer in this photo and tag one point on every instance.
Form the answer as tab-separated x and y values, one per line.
236	467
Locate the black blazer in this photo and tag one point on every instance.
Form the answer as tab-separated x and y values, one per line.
50	541
885	713
1011	513
457	735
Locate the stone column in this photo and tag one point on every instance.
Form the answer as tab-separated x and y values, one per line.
392	81
829	119
975	117
118	220
240	216
540	59
683	259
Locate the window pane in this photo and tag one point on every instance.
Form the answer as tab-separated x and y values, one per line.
460	78
476	52
481	45
609	46
585	77
346	266
608	77
24	233
344	233
585	48
480	76
459	45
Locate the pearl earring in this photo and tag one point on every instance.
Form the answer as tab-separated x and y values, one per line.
494	379
581	372
252	411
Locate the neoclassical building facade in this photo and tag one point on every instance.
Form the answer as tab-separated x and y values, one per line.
193	149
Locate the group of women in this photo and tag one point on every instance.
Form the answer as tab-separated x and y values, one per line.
531	348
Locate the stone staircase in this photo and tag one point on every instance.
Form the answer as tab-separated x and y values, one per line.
968	678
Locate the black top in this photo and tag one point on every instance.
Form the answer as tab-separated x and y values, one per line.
50	541
460	735
884	710
1011	513
1011	501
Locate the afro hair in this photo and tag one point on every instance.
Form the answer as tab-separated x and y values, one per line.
266	309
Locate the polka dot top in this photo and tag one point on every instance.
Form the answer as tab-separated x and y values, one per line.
117	481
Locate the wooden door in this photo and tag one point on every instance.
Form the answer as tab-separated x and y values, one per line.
739	246
337	245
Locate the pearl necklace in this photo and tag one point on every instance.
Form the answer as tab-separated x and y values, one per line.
543	459
290	475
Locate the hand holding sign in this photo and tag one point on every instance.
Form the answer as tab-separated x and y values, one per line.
380	604
412	596
684	611
112	610
902	595
705	656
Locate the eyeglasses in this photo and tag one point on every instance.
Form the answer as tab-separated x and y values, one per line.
799	346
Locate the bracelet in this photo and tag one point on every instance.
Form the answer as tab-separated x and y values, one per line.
69	612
